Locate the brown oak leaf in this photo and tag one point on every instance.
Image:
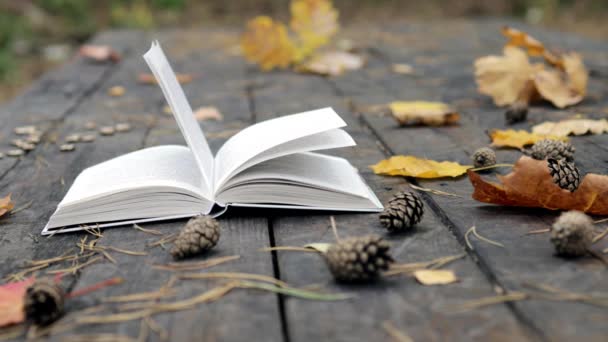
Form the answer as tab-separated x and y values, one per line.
6	205
530	185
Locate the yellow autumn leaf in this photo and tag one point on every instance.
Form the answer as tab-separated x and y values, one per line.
504	77
518	139
423	113
435	277
6	205
521	39
314	22
411	166
572	127
267	43
332	63
552	86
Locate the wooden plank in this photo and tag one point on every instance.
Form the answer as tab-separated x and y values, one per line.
420	311
445	73
242	313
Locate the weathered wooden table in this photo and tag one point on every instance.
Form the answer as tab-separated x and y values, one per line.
62	101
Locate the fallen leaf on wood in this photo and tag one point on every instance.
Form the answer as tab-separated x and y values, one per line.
116	91
99	53
6	205
423	113
147	78
402	69
435	277
11	301
571	127
314	22
518	139
530	185
411	166
267	43
332	63
511	77
208	113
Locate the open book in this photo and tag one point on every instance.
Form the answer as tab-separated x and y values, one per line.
269	164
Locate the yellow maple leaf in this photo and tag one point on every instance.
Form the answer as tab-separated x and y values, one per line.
518	139
573	126
267	43
314	22
411	166
423	113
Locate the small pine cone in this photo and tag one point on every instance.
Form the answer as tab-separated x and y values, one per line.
484	156
552	149
516	112
359	258
402	211
564	174
43	302
200	234
572	234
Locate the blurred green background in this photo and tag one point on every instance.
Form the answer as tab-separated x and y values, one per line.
37	34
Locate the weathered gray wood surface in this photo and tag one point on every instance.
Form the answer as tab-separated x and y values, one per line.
441	54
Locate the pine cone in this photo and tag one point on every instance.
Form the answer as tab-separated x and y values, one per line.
484	156
359	258
43	302
572	234
402	211
564	174
552	149
517	112
200	234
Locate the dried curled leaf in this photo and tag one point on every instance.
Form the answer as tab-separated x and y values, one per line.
332	63
411	166
267	43
504	77
511	77
530	185
11	302
314	22
6	205
435	277
519	138
423	113
572	127
99	53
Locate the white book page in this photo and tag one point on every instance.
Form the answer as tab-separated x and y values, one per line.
162	166
174	94
256	139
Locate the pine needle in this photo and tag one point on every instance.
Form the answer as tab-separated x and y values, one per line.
12	333
287	248
334	229
134	297
165	239
187	266
397	335
112	318
157	328
600	236
487	301
539	231
126	251
290	291
148	231
601	221
21	208
474	231
234	275
98	338
77	267
434	191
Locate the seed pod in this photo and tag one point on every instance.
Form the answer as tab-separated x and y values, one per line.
483	157
43	302
359	258
200	234
572	234
402	211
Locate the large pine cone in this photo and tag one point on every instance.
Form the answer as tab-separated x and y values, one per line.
402	211
359	258
552	149
200	234
43	302
572	234
564	174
